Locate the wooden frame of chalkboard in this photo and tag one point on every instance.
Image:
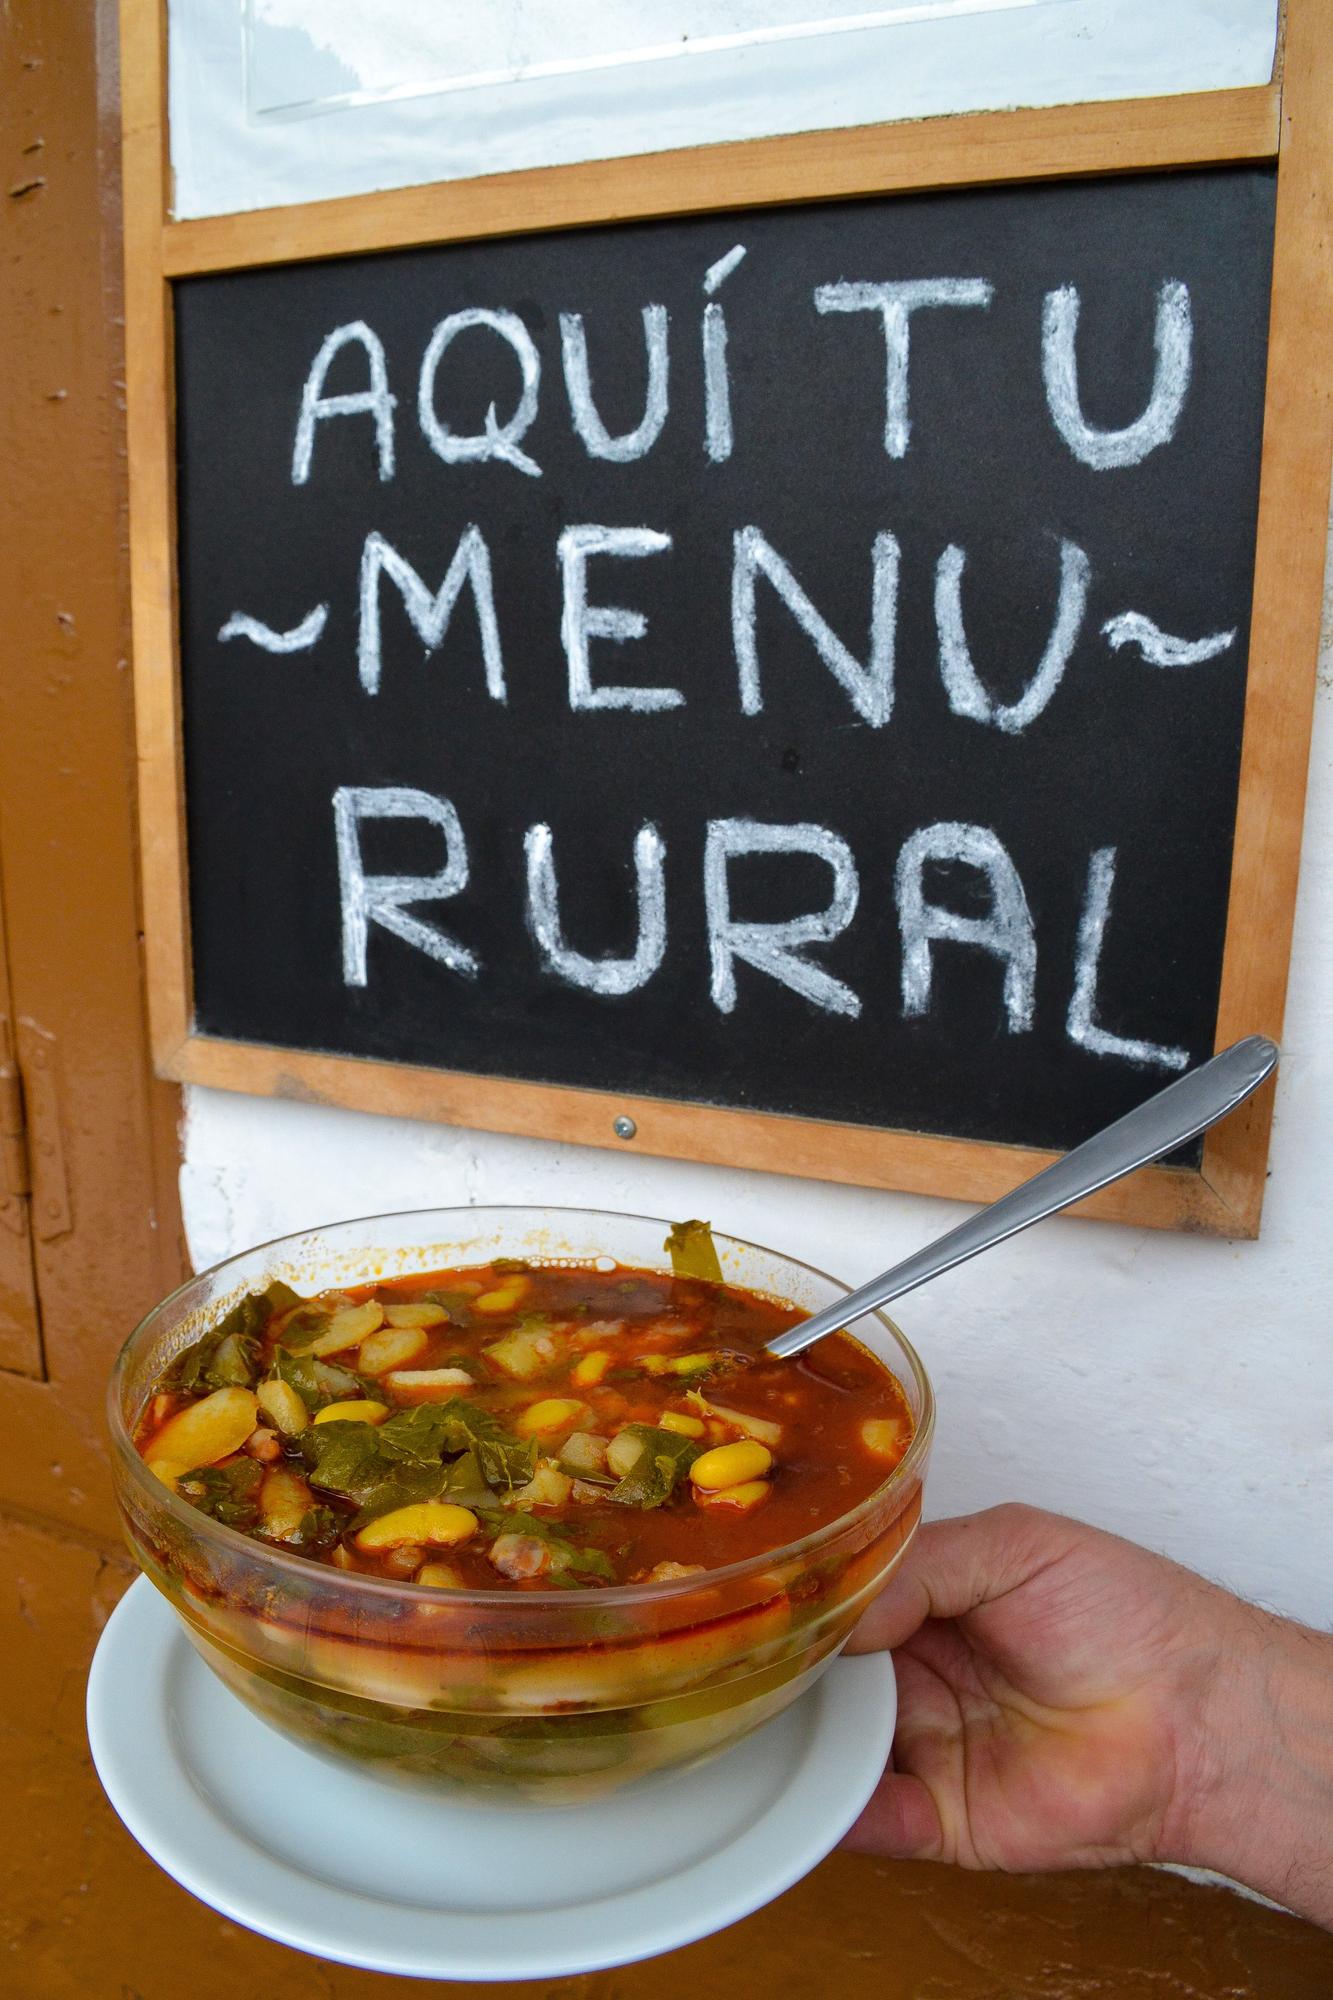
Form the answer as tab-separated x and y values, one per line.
1289	121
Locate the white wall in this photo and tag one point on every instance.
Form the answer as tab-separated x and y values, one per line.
277	101
1177	1389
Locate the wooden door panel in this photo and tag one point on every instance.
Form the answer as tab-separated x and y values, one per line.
106	1240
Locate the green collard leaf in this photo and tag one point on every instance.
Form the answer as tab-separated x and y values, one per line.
399	1486
318	1530
456	1304
228	1493
505	1461
693	1252
568	1559
464	1484
343	1458
234	1362
303	1328
664	1458
250	1318
187	1371
421	1435
319	1382
591	1562
228	1355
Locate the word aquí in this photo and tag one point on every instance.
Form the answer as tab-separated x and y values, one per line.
777	949
869	681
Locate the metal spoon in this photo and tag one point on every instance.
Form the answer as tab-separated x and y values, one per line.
1178	1113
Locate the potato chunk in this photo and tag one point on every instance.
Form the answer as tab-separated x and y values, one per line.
548	1487
523	1353
763	1429
885	1437
425	1314
435	1384
284	1502
347	1328
283	1407
391	1347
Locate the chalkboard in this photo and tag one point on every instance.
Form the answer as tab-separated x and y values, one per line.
796	654
929	524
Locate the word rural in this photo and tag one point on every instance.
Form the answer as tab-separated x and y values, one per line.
349	384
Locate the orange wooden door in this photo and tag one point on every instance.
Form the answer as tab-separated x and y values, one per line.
96	1238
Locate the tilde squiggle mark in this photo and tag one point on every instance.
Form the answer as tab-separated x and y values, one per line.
242	626
1159	648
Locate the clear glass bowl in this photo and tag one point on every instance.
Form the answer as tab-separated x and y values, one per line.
518	1697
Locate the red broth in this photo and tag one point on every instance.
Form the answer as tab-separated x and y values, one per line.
523	1426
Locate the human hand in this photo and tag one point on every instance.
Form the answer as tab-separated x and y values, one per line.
1069	1700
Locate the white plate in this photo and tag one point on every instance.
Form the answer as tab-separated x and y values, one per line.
354	1868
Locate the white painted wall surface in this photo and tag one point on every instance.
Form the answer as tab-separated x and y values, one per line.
1179	1390
276	101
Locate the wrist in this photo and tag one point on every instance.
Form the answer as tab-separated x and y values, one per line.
1263	1812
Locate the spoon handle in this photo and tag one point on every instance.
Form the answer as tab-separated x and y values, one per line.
1178	1113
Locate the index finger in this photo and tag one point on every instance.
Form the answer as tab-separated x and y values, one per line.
953	1567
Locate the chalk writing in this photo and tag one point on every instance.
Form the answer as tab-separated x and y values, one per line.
611	976
497	440
1081	1022
966	694
1006	931
728	657
717	383
381	899
1172	336
429	613
583	621
578	381
895	303
1158	648
870	686
777	949
297	639
374	401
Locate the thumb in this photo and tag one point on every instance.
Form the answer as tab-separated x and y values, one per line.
952	1567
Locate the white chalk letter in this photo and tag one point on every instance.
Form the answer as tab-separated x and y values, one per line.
496	440
966	694
379	899
578	381
895	303
1171	379
429	614
375	400
612	976
870	686
1006	933
717	384
581	621
1081	1024
777	949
